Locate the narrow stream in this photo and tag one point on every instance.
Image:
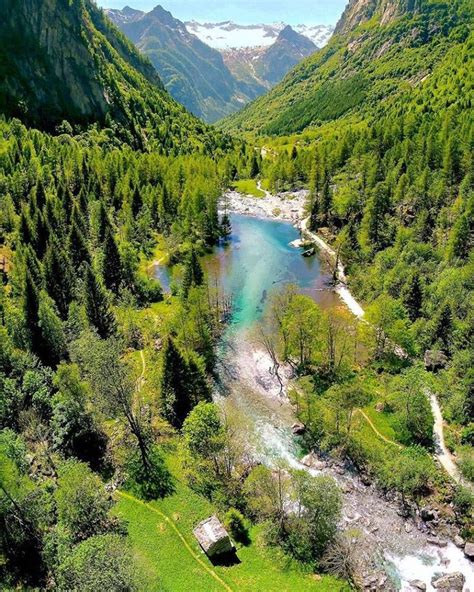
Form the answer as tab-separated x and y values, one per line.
257	260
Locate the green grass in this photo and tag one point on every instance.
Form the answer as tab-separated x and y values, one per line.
384	422
248	187
166	563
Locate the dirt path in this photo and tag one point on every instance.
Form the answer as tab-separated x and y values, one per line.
381	436
268	195
181	537
341	289
444	456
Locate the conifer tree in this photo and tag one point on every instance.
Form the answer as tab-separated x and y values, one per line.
58	276
78	249
254	167
40	194
53	341
137	202
413	297
31	313
193	273
98	308
175	399
25	230
112	271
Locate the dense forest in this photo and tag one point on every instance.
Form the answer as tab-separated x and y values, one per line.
110	442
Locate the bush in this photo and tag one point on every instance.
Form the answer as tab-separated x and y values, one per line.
466	462
235	524
463	501
101	563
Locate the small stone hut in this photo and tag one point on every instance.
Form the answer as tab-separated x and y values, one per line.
213	537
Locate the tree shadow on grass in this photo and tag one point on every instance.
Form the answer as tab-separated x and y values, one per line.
225	559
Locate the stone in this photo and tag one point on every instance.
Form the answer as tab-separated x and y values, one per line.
313	462
453	582
459	541
435	360
213	537
418	585
380	407
469	551
436	541
298	429
408	527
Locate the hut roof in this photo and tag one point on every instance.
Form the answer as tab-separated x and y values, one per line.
213	537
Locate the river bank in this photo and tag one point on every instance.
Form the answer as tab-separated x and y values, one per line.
390	544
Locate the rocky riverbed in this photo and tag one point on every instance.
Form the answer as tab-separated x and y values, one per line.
395	550
288	206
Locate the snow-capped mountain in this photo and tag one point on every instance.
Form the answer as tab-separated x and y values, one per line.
227	34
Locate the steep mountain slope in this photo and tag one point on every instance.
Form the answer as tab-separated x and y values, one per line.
268	65
193	72
383	50
64	60
287	51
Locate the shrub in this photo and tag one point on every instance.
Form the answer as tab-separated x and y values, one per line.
235	524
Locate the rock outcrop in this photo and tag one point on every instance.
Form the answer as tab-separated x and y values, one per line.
361	11
57	62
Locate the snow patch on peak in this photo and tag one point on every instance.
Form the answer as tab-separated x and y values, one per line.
227	34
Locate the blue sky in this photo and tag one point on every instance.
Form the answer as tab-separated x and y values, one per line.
293	12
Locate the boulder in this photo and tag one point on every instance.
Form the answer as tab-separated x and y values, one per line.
380	407
436	541
459	542
453	582
312	461
298	429
435	360
418	585
469	551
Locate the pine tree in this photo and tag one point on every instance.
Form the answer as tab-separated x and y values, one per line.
40	194
254	167
25	230
58	276
78	249
193	273
112	267
444	327
137	202
53	341
31	313
175	400
413	297
98	309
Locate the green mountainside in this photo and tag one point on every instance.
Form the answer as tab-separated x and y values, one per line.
64	60
193	72
383	51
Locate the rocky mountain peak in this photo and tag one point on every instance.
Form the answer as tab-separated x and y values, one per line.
289	35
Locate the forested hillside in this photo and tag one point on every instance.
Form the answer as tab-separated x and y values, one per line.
377	59
64	60
385	148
